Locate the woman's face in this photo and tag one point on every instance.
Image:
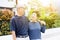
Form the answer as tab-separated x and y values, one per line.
34	17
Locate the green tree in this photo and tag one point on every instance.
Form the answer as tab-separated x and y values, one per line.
5	16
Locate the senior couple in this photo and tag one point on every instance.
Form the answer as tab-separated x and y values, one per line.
23	28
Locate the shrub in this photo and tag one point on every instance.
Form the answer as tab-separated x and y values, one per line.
5	16
50	19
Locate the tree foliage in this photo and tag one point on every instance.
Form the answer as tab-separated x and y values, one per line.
45	13
5	16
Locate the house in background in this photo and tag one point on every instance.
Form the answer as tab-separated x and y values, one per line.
9	4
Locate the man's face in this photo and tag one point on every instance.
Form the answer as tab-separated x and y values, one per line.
20	10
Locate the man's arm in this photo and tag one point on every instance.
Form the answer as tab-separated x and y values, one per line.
13	34
12	28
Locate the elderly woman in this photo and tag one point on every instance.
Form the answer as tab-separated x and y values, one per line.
36	27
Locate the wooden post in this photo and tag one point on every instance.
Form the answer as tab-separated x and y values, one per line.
16	2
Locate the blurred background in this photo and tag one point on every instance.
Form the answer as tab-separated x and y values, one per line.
47	10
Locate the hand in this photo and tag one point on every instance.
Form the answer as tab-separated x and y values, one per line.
43	23
13	34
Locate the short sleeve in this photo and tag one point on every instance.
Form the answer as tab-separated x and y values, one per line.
12	24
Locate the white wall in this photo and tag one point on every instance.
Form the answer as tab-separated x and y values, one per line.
6	3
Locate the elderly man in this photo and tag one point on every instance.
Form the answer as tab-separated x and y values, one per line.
19	25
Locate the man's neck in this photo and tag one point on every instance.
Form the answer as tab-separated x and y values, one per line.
19	15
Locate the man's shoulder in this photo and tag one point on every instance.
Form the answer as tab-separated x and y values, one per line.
14	17
24	16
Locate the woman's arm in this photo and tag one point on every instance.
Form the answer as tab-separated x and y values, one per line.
43	26
42	22
13	34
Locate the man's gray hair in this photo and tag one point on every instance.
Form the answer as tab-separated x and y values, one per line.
21	6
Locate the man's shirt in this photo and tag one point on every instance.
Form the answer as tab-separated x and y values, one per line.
19	24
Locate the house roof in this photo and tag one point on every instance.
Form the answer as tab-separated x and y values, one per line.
7	4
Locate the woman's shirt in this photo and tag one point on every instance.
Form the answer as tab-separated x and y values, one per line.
34	30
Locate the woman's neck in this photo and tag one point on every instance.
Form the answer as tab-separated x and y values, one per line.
33	21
